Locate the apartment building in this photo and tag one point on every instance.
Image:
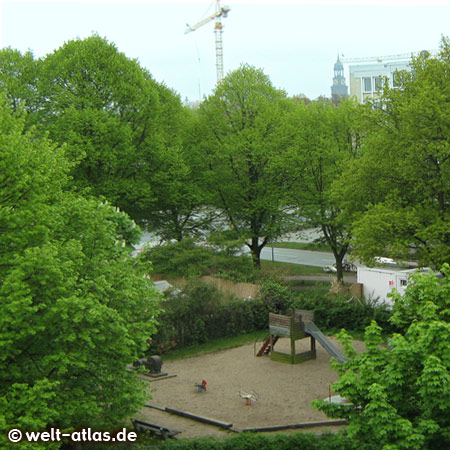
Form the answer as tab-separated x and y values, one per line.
367	80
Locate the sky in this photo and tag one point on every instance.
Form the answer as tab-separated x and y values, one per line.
294	42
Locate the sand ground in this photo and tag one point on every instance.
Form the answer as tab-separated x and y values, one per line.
285	391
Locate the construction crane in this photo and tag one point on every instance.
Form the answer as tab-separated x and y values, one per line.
380	59
221	11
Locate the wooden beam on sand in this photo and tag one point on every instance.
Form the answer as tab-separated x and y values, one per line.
202	419
155	407
298	425
144	377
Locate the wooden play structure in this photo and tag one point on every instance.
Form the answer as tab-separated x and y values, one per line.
298	325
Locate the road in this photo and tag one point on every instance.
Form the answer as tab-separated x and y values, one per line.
288	255
296	256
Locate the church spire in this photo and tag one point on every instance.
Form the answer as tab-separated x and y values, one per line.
339	90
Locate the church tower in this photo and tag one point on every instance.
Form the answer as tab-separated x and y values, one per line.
339	90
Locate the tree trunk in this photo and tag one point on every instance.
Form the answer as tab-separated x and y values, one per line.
339	257
339	269
255	250
338	250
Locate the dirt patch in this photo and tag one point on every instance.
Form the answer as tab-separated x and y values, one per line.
285	391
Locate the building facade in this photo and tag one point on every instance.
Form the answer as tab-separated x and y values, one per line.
367	80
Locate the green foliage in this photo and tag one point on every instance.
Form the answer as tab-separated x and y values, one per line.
396	193
74	308
199	314
427	296
322	138
186	259
18	79
181	209
332	313
240	142
250	441
400	392
122	129
276	296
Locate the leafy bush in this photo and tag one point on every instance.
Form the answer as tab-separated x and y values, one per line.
333	313
276	296
400	393
199	314
279	441
186	259
179	259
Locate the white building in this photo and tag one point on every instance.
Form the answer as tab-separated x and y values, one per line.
378	282
367	80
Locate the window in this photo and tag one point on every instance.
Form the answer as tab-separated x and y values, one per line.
403	283
367	84
378	84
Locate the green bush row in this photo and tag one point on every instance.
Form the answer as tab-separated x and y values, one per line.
279	441
200	313
332	313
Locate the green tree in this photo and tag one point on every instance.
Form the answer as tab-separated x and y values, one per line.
180	209
75	309
18	79
117	121
323	139
400	393
397	194
242	150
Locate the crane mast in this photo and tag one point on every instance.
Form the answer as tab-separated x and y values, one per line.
220	11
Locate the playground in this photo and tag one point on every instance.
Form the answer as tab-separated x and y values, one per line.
284	391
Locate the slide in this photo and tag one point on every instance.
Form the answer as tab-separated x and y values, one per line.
311	328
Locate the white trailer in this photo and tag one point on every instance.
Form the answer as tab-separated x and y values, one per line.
378	282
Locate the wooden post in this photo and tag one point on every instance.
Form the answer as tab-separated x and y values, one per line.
292	339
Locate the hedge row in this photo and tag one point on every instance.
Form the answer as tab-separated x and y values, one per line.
200	314
279	441
332	313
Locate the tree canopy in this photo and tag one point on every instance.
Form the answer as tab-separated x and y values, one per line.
323	139
183	203
397	193
117	121
75	309
18	79
241	146
399	393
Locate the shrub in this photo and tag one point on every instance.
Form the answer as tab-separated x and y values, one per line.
186	259
199	314
332	313
254	441
179	259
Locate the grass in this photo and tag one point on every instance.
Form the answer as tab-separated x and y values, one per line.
215	346
303	246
